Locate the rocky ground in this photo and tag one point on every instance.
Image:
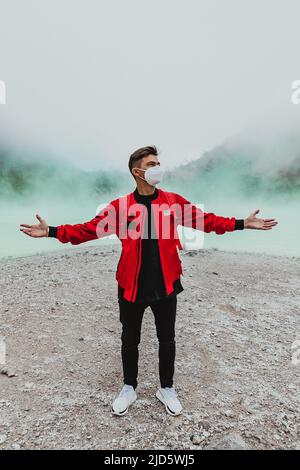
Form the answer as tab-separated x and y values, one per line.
237	366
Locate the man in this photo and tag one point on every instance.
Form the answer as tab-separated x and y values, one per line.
149	268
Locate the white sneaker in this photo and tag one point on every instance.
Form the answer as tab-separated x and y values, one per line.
168	397
125	398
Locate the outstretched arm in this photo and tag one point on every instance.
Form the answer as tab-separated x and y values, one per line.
103	225
189	215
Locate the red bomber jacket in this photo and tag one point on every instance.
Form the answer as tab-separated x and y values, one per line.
125	218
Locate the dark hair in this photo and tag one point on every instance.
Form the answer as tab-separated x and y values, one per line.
139	154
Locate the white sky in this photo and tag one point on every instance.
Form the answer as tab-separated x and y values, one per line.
93	80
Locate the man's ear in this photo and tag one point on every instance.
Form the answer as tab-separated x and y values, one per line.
135	172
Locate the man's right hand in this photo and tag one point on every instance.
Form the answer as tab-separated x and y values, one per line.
36	231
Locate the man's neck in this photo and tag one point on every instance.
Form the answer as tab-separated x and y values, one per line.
145	189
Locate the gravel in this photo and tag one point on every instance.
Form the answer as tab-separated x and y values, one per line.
237	320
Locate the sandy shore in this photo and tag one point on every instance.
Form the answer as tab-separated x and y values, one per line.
237	320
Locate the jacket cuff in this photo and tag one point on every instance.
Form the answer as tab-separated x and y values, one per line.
239	224
52	232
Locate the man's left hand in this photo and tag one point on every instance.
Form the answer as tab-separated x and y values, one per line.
254	222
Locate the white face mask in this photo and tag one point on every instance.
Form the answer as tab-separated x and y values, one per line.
153	175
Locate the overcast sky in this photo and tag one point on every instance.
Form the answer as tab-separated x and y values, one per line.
93	80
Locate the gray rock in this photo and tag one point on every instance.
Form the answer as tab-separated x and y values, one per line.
8	372
196	439
204	424
16	446
230	442
3	438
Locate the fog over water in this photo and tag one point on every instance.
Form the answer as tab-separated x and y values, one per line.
207	82
234	179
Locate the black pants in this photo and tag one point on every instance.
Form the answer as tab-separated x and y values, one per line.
131	316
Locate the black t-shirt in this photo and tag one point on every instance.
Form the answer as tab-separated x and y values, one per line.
151	285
